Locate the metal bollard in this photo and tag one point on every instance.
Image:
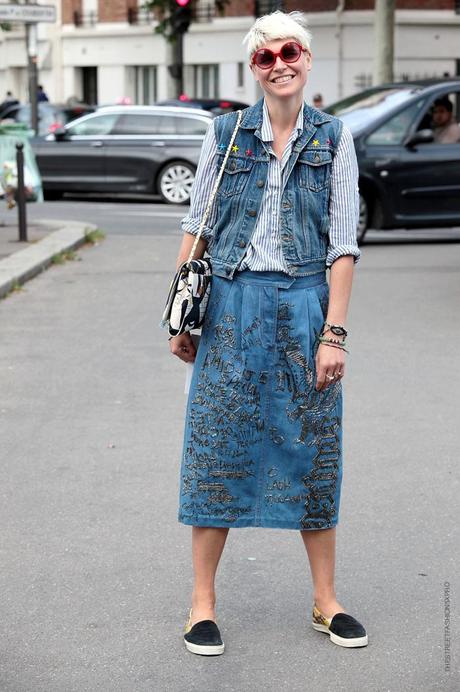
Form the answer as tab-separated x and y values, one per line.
21	193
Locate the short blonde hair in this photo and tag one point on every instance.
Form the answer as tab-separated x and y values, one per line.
276	25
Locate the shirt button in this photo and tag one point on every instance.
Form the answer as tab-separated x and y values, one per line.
260	183
228	271
286	237
252	212
242	243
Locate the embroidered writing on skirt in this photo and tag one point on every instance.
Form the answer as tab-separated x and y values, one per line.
261	446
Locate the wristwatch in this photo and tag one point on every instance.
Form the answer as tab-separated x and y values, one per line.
337	329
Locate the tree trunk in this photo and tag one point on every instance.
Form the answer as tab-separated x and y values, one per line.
384	41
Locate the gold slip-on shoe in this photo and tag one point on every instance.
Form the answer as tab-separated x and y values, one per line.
203	638
342	628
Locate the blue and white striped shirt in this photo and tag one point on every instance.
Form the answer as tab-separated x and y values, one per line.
264	252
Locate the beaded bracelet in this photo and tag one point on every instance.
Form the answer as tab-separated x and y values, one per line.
335	346
329	340
334	343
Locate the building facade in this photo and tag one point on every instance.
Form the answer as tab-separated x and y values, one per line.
102	51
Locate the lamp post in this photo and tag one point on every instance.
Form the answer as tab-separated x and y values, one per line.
32	57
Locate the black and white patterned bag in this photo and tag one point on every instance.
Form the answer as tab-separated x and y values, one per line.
189	291
188	297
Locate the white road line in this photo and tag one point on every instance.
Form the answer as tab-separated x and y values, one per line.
170	214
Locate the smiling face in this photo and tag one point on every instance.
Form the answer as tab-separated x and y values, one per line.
283	80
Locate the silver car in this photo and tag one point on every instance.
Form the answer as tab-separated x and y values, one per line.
130	149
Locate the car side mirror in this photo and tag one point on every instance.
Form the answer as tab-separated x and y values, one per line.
60	134
419	137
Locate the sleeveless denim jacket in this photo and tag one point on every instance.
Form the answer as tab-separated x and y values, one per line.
304	222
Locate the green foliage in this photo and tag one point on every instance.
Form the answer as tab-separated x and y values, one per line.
162	11
7	26
64	256
95	236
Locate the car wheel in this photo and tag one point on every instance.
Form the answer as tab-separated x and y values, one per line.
175	182
363	221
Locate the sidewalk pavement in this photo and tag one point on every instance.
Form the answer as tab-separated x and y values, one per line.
21	261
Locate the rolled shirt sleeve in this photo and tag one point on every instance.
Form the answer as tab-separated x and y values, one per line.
344	201
205	179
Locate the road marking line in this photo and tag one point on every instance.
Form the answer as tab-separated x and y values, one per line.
171	214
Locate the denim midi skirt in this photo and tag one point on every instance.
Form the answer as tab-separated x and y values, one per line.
261	446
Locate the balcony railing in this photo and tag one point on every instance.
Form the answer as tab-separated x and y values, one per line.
203	12
84	18
134	16
262	7
139	15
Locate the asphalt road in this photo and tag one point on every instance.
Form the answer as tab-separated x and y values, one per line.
96	575
116	215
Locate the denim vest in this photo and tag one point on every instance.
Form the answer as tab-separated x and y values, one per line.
304	222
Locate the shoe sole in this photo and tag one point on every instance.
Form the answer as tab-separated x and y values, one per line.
205	650
341	641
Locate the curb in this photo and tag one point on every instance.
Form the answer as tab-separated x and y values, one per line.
27	263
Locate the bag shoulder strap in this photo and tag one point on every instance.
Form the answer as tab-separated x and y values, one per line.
214	190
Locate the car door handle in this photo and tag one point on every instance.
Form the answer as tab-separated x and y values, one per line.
157	144
97	144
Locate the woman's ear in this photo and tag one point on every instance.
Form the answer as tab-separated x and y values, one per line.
252	68
309	59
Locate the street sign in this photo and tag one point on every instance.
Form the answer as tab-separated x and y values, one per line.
27	13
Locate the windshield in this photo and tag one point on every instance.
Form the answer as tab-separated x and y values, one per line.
48	117
366	107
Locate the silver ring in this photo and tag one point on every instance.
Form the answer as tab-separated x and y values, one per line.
330	377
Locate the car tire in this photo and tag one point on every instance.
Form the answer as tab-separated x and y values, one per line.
363	221
175	182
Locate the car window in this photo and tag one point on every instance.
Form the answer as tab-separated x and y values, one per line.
48	116
363	109
189	126
156	124
70	114
394	130
442	117
99	125
139	124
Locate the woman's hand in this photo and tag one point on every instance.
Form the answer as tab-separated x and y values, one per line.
330	366
183	347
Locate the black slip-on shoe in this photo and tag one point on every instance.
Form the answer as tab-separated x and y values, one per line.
203	638
343	629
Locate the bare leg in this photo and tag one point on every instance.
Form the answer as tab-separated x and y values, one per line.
207	546
320	545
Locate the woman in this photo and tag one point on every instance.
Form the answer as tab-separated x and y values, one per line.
263	435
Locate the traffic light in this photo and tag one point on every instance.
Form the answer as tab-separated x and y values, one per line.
181	15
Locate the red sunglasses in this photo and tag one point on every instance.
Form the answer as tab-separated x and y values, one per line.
266	58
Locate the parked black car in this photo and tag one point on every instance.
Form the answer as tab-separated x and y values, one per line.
51	116
406	178
137	149
215	106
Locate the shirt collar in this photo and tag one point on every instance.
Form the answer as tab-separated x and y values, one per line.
266	129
